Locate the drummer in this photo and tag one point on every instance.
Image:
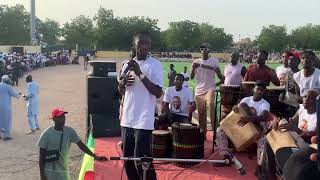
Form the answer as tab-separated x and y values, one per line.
256	110
288	98
261	71
308	78
178	103
304	122
235	71
283	69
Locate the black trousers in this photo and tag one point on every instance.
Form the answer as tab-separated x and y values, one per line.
137	143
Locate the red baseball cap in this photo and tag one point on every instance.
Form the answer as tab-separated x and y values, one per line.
57	112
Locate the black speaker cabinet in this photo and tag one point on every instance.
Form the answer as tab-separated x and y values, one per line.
105	125
102	95
102	68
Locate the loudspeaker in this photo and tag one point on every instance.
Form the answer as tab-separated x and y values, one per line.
102	95
102	68
105	125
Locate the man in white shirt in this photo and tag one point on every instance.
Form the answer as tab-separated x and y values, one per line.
283	69
140	87
33	104
234	72
204	70
178	103
256	110
308	78
304	123
186	76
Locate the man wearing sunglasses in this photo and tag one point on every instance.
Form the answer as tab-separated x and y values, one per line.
204	70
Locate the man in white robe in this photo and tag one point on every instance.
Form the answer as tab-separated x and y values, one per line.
6	93
33	104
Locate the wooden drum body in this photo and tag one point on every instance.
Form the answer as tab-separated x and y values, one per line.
241	137
272	96
247	88
188	142
279	139
161	144
229	98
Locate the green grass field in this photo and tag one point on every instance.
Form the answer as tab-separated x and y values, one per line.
178	66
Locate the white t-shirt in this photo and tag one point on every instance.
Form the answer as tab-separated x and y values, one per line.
139	104
205	77
305	83
185	75
181	106
233	75
281	71
259	106
307	122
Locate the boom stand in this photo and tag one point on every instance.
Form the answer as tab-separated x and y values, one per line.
146	161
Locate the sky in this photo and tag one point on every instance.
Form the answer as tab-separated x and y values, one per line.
241	18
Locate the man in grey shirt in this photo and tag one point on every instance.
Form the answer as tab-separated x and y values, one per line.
50	140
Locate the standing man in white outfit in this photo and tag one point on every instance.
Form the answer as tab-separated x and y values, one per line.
6	92
235	71
33	104
186	76
204	70
141	87
307	78
283	69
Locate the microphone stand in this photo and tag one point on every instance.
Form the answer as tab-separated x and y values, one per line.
146	162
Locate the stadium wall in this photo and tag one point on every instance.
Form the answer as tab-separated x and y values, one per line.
29	49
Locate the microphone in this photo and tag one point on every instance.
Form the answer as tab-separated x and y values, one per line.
129	67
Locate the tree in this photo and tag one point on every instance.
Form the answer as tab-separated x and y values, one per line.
50	31
182	35
306	37
216	37
14	25
116	33
79	31
273	38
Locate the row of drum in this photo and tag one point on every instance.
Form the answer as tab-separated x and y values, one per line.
181	141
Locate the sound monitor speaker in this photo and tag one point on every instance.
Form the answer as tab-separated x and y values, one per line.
105	125
102	95
102	68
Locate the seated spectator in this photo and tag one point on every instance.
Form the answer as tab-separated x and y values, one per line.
178	103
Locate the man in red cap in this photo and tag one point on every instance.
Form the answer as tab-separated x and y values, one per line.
58	138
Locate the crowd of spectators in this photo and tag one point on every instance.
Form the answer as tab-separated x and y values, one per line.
16	64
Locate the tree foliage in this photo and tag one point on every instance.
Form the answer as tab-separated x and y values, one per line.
109	32
273	38
50	31
116	33
306	37
79	31
14	25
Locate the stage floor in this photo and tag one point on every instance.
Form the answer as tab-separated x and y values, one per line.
113	169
